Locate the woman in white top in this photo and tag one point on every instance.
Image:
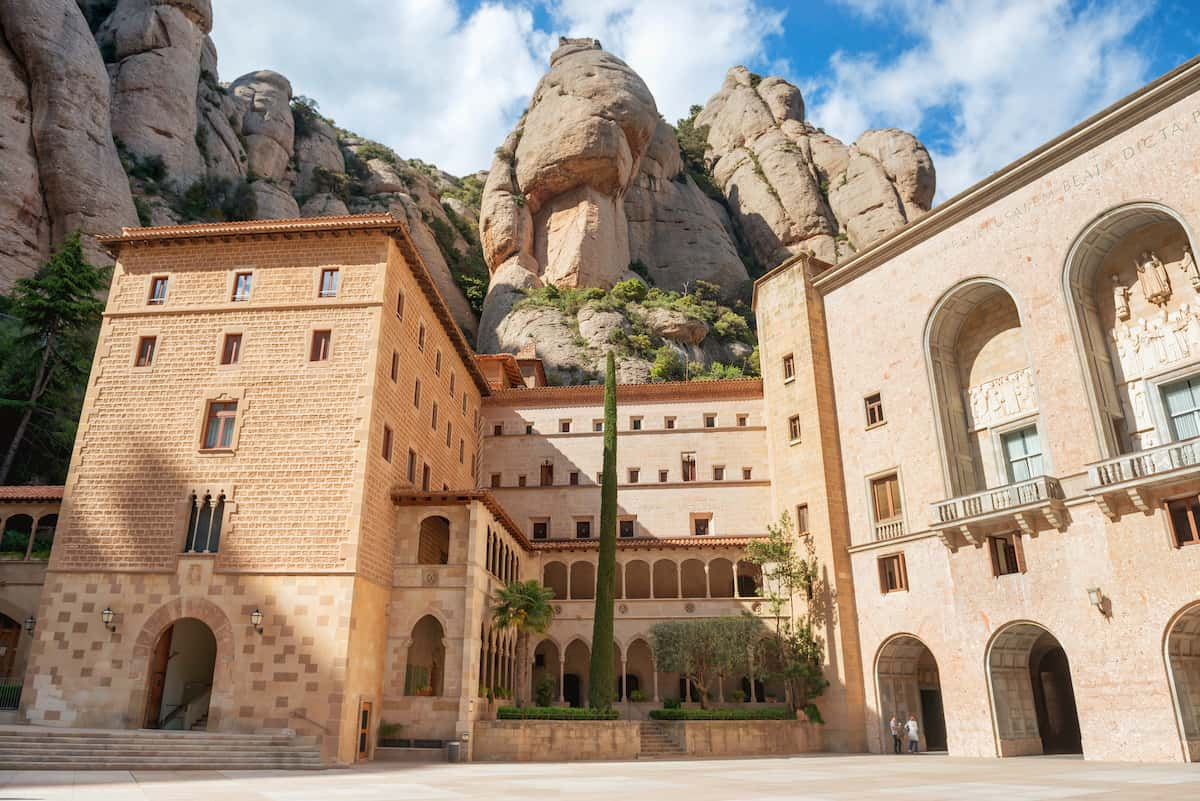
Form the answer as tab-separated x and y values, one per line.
914	735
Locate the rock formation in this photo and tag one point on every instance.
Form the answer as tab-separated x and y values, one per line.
792	187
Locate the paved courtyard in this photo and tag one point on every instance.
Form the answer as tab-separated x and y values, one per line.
922	778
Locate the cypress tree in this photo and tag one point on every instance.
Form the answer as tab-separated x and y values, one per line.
601	682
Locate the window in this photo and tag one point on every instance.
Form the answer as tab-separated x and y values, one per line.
421	337
231	349
710	421
145	351
668	423
412	466
719	473
1022	454
547	475
1007	557
425	478
789	367
634	475
462	450
624	528
874	408
802	518
417	393
464	406
433	417
520	481
892	574
498	430
205	517
794	428
583	529
885	495
437	362
688	464
453	376
599	479
529	428
218	427
158	291
387	443
395	371
449	433
541	529
662	476
241	287
746	472
598	426
329	283
319	352
743	420
1184	515
495	481
564	426
573	478
701	525
635	424
400	305
1183	407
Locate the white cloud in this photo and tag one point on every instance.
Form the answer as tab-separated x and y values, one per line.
987	80
444	86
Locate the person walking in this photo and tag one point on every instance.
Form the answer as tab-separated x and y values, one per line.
914	735
895	727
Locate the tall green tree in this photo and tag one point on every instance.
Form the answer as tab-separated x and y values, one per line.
600	670
704	650
52	318
524	606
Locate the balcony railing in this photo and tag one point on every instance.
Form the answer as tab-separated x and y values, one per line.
1133	475
1022	505
889	529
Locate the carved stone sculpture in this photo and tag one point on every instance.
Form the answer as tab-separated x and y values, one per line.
1120	298
1153	278
1188	265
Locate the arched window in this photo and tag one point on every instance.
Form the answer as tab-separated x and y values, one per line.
204	523
433	547
583	580
554	576
43	537
15	541
666	579
426	658
637	579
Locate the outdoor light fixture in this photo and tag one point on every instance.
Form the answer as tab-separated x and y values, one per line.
256	620
107	616
1096	599
30	622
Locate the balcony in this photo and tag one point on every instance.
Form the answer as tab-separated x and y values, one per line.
1026	505
889	529
1139	479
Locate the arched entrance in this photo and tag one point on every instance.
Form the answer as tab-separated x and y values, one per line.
1183	668
426	663
907	679
181	677
575	670
1032	695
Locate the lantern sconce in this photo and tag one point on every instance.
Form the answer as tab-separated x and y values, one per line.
1097	599
30	623
256	620
107	616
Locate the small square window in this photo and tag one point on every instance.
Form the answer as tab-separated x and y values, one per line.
701	526
395	371
662	476
893	577
874	409
158	291
421	337
710	421
583	529
218	428
794	428
329	283
412	466
426	478
546	475
668	423
564	426
573	478
520	481
746	473
635	424
625	528
437	362
1184	517
241	287
529	428
498	430
417	393
718	473
802	518
598	426
145	351
541	529
387	443
789	367
634	475
743	420
400	305
495	482
231	349
1007	557
319	352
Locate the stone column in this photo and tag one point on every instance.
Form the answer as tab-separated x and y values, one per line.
707	582
737	591
750	666
655	674
561	663
624	683
679	579
569	579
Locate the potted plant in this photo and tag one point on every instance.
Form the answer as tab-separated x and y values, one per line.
424	691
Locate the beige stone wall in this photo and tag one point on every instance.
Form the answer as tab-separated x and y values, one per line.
556	740
717	739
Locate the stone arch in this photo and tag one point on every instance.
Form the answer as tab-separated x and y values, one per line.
549	652
907	682
583	580
1033	698
666	579
576	657
637	579
748	577
1182	655
433	544
720	578
16	536
425	666
693	579
554	576
1107	387
43	536
639	663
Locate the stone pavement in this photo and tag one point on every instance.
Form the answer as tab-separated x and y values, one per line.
815	778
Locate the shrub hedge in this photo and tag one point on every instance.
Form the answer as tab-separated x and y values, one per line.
769	713
554	713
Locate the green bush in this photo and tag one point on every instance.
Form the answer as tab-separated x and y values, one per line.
731	325
671	703
373	150
668	366
630	291
212	199
544	694
766	713
143	210
554	713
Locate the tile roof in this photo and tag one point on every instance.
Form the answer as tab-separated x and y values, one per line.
592	394
32	493
647	543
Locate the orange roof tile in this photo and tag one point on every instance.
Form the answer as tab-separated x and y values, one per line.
647	543
407	497
593	394
30	494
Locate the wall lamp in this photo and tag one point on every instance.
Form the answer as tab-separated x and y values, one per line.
1096	598
256	620
30	623
107	616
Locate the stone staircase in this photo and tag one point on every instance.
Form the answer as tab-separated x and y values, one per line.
657	744
44	748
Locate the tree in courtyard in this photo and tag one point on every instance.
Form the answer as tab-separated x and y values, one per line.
525	607
600	669
46	343
794	652
706	649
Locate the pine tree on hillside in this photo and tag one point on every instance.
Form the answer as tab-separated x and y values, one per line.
600	670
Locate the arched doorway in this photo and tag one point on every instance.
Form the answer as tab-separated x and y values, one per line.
1033	698
181	677
908	683
1183	667
546	663
575	670
426	664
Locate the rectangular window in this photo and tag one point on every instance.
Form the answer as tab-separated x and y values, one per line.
662	476
746	472
498	430
700	525
893	577
329	283
417	393
688	466
400	305
573	478
1023	454
541	529
546	477
599	479
433	417
464	405
453	376
319	352
885	495
743	420
218	428
598	426
395	371
1184	515
583	529
241	287
719	473
437	362
205	519
520	481
789	367
564	426
634	475
668	423
625	528
412	466
449	433
802	518
158	291
710	421
794	428
495	481
425	478
421	337
145	351
529	428
462	450
635	424
1183	407
1006	554
387	443
231	349
874	409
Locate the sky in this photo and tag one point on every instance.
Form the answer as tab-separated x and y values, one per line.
980	82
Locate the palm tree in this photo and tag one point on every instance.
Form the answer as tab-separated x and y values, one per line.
524	606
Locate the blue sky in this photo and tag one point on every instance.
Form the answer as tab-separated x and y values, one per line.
979	81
